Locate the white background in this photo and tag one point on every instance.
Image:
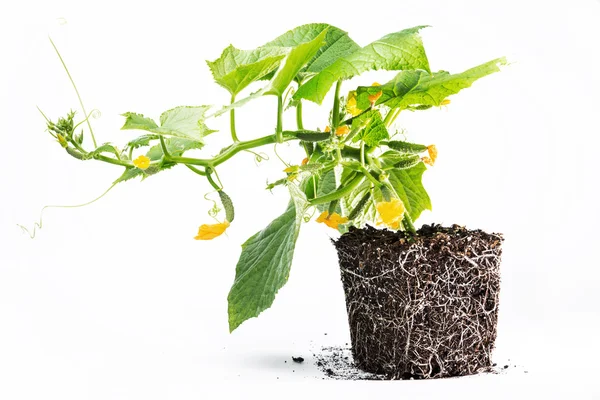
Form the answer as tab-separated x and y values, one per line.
116	301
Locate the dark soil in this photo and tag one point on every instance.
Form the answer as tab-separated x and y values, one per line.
422	305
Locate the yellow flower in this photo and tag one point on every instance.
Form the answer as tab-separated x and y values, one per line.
211	231
305	161
342	130
351	104
433	153
291	168
331	220
327	129
292	177
391	213
142	162
427	161
374	97
445	102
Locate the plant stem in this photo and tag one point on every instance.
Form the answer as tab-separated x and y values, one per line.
391	117
232	121
299	122
76	91
196	170
163	146
209	172
308	147
335	115
279	131
362	153
112	161
230	151
408	224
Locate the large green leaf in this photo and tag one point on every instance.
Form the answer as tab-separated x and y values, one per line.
397	51
175	147
182	122
337	44
407	184
264	265
296	59
374	130
236	69
327	184
412	88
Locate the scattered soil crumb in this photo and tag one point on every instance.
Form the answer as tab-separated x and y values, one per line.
337	363
298	359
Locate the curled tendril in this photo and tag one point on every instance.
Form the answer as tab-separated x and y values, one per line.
259	157
277	154
309	215
38	225
214	210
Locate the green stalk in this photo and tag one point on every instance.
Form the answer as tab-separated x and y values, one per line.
230	151
279	131
209	172
299	115
196	170
408	224
163	146
335	116
232	121
308	147
391	117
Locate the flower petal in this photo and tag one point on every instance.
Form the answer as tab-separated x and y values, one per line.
211	231
142	162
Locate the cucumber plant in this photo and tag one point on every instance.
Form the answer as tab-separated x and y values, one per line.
353	173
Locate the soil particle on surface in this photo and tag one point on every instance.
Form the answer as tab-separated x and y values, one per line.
337	363
298	359
421	305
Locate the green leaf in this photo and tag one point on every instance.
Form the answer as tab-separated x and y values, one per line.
294	61
141	141
409	188
175	146
421	88
129	173
236	69
337	44
297	58
374	130
327	184
183	122
264	265
138	121
105	148
397	51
